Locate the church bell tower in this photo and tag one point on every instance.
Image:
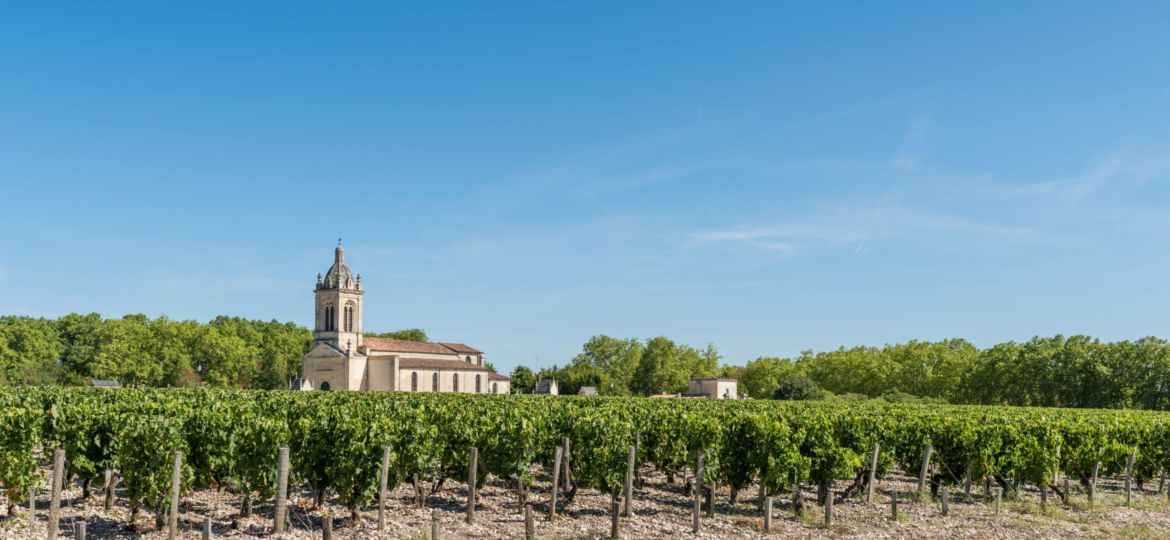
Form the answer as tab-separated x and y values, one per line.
339	306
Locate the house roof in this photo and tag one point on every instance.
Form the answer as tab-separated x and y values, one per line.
498	377
587	391
544	386
461	348
105	384
402	345
431	363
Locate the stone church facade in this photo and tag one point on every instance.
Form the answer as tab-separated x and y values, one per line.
342	359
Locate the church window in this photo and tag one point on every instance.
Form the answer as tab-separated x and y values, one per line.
455	382
414	381
330	318
348	323
325	386
495	388
477	384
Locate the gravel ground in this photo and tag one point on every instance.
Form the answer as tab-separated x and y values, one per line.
661	510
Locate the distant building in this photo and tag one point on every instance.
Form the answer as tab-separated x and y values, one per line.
546	386
587	391
713	388
341	358
105	384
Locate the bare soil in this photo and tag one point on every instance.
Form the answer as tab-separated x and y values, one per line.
661	510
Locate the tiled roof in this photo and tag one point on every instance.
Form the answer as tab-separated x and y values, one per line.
461	348
498	377
429	363
587	391
402	345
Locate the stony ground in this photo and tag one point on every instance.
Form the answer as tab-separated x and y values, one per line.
661	510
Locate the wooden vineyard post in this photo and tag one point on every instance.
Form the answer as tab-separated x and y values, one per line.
630	481
1043	496
698	494
206	528
327	528
80	534
768	513
278	519
894	505
945	501
471	470
998	498
382	481
32	506
829	509
434	525
55	493
1129	477
986	487
711	505
614	525
872	473
1067	490
108	503
529	526
1093	482
566	482
925	466
173	515
556	476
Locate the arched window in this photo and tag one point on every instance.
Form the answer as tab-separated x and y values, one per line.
455	382
495	388
435	382
414	381
325	386
347	323
330	318
477	383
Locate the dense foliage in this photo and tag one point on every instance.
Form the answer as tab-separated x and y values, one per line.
336	439
1059	371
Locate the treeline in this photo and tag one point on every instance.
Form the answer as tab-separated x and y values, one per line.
136	350
625	367
1077	371
1058	371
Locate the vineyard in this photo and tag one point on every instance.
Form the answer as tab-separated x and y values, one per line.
342	447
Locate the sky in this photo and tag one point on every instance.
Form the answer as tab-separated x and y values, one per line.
769	177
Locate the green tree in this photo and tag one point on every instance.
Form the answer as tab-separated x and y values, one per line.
617	360
523	380
410	334
796	387
661	369
761	377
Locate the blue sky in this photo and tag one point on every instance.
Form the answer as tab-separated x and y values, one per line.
768	177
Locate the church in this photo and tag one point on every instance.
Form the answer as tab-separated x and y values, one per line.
342	359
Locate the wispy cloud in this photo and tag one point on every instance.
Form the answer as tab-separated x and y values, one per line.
910	155
784	239
1094	178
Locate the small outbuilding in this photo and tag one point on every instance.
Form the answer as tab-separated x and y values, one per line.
587	391
546	386
105	384
713	388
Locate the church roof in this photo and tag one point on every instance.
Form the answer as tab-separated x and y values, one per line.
498	377
402	345
461	348
431	363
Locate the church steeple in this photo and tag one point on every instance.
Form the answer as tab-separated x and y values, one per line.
339	305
